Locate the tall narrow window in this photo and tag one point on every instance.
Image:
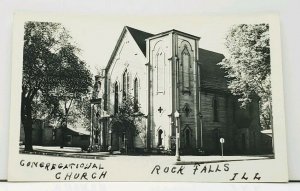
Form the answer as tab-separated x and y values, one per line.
53	134
116	102
136	94
160	63
186	68
125	83
127	86
215	108
233	111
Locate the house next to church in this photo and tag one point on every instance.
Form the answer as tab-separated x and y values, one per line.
165	73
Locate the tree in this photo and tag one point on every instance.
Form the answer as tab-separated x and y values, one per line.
75	83
50	64
248	66
126	120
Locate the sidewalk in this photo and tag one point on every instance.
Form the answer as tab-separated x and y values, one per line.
75	152
191	160
57	149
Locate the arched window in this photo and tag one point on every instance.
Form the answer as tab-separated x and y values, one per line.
116	102
136	94
215	108
233	110
160	63
186	68
125	83
160	132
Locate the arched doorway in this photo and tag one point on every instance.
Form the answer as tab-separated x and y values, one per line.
187	140
160	139
187	137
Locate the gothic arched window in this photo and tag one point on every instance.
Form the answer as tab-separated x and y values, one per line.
186	68
215	108
136	94
116	102
125	83
160	64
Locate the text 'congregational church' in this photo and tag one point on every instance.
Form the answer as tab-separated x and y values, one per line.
165	73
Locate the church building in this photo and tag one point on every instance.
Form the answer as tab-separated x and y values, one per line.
167	73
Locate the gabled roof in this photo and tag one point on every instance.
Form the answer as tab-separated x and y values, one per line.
175	31
140	38
212	76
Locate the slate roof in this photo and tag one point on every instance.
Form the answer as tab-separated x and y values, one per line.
140	38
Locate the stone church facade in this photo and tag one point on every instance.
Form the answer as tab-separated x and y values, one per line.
165	73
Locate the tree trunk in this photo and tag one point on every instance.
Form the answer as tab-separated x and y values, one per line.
28	134
63	129
64	124
26	116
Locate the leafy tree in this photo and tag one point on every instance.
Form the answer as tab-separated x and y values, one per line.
248	66
80	113
126	120
50	64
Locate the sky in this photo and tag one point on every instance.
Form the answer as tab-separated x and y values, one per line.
97	36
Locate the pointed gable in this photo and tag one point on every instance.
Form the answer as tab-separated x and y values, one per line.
212	75
140	38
